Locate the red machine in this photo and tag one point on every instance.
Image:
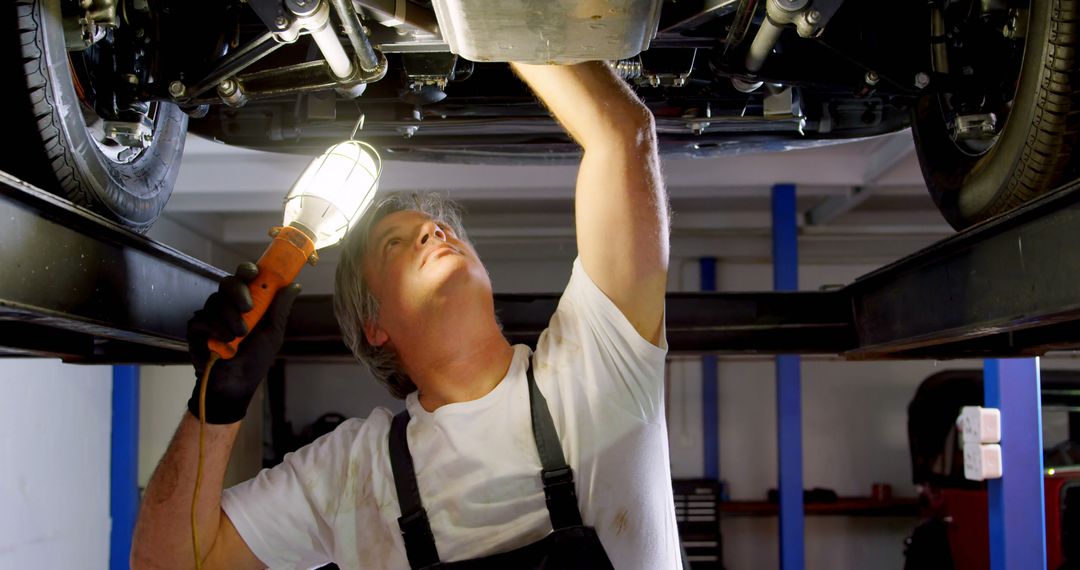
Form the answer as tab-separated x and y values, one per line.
954	531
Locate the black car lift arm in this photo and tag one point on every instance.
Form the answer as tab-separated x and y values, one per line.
81	288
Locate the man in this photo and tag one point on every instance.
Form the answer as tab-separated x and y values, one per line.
483	418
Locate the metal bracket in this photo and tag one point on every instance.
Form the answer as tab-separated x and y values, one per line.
673	76
273	14
808	18
782	103
138	134
429	69
299	78
89	28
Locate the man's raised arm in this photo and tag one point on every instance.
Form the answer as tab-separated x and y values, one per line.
162	538
620	206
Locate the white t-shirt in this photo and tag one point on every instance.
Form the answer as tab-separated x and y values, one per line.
476	462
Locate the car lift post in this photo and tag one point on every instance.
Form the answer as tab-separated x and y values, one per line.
1017	511
788	391
123	464
710	393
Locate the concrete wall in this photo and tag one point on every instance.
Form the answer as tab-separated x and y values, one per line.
55	422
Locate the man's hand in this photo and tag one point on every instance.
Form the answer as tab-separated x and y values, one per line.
621	207
233	382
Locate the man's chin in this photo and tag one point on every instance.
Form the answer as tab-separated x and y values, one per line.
452	273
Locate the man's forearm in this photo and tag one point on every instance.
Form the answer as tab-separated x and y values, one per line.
163	531
620	204
591	102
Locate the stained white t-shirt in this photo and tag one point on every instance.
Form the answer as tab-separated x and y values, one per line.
476	462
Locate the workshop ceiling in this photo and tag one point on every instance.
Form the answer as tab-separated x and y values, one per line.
865	192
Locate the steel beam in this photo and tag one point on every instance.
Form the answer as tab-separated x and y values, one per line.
84	289
113	296
808	322
1003	288
81	288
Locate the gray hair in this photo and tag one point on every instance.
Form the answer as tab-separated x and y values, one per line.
354	303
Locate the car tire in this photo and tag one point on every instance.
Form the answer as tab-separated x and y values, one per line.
1034	152
53	147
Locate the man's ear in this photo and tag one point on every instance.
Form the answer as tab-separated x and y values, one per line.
375	334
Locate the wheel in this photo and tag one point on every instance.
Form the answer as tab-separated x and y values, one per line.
1001	128
80	130
928	546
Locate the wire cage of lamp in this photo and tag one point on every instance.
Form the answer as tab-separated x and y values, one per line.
334	191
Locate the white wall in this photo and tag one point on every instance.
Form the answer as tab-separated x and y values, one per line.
55	422
163	396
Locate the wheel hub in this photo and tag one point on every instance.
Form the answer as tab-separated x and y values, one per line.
108	67
983	48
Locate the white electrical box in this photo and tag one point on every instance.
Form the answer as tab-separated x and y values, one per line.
980	435
978	424
982	461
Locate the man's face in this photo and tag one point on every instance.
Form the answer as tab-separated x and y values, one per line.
415	267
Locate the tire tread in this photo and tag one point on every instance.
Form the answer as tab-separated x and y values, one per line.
1048	150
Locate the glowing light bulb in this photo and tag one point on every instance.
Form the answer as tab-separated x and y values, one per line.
334	192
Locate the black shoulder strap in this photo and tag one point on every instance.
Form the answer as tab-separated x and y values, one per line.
415	528
557	476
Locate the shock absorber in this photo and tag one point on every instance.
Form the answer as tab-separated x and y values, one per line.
314	16
809	19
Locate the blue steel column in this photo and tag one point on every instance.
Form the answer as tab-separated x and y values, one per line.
788	390
124	464
710	393
1016	503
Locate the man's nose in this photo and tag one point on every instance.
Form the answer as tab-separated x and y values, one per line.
432	229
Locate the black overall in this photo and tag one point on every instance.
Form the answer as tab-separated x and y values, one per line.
571	545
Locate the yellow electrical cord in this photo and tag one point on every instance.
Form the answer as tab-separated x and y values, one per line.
199	464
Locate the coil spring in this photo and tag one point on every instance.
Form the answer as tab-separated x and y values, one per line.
628	68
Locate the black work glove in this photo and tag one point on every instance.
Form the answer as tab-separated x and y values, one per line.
233	382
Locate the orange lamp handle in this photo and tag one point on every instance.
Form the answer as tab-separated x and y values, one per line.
278	266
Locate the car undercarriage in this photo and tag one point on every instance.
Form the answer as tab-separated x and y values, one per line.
853	80
986	85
